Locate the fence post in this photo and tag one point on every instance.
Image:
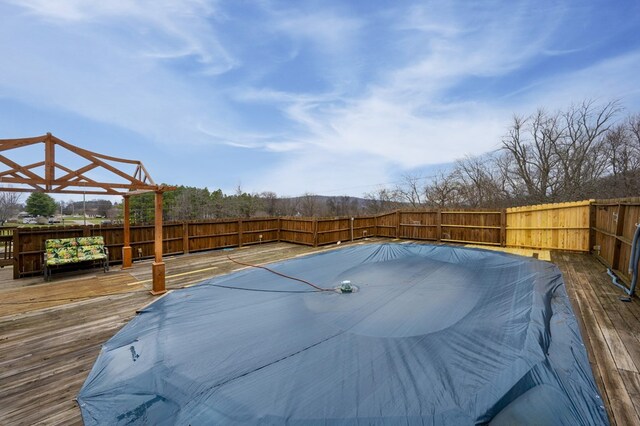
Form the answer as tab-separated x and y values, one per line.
397	224
439	223
592	225
279	228
315	232
16	253
352	219
503	227
185	238
617	243
375	226
239	232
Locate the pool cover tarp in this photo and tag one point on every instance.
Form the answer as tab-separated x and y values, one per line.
434	335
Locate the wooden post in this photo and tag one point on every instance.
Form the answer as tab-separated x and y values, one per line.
503	227
126	248
592	226
16	253
375	226
617	243
439	223
397	223
185	237
279	228
352	219
49	162
239	232
158	267
315	232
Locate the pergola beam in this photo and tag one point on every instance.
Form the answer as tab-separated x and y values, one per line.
49	162
74	173
27	167
6	144
76	182
17	168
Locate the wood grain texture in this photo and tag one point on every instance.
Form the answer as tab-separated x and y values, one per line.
51	333
610	330
560	226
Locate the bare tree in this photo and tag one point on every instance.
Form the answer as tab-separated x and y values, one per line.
532	163
581	150
622	153
342	206
289	206
309	206
479	182
412	191
621	158
381	200
443	191
270	203
633	123
9	205
560	155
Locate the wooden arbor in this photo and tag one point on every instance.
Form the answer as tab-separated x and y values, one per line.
91	173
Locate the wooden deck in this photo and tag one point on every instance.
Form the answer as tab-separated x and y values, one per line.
51	333
611	332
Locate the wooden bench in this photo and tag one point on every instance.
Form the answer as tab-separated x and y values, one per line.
65	251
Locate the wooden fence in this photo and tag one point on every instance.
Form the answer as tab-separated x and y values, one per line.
560	226
614	224
457	226
563	226
177	238
6	246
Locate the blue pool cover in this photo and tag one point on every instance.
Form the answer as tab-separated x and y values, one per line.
434	335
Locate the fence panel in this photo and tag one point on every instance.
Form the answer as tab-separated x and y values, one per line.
258	231
614	226
475	227
386	225
209	235
560	226
298	231
419	225
333	230
364	227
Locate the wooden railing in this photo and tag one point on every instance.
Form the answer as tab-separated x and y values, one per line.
575	226
6	246
177	238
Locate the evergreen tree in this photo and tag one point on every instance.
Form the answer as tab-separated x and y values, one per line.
40	204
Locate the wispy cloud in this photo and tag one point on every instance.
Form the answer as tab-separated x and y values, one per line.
165	28
365	92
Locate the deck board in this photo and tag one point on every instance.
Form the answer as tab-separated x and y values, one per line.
609	335
51	333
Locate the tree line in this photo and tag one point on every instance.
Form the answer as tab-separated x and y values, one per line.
191	203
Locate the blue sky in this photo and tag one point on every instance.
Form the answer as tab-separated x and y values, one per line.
328	97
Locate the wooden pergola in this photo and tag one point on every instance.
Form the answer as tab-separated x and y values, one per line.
50	176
